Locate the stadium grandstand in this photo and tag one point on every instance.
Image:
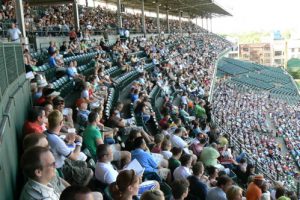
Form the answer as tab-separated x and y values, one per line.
99	103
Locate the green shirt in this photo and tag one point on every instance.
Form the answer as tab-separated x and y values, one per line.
199	111
209	156
90	135
173	164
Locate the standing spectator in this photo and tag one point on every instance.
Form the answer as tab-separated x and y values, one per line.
219	192
14	33
253	191
38	165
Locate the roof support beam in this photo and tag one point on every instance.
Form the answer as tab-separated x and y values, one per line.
157	18
180	21
20	17
168	23
119	15
143	18
76	15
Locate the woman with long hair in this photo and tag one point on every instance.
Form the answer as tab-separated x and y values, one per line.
126	186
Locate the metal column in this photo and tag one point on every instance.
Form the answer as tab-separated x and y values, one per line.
76	15
20	17
119	14
207	23
157	18
210	24
180	25
143	18
168	23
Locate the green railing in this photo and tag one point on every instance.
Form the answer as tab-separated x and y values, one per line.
14	102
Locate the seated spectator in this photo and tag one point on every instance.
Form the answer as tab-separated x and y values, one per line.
40	140
129	143
30	64
174	160
180	189
158	139
126	185
117	122
281	194
92	137
59	104
153	195
75	172
76	192
166	147
106	173
72	71
198	187
38	164
209	156
266	195
213	174
177	141
142	155
254	188
52	61
183	171
51	48
219	192
82	113
35	122
235	193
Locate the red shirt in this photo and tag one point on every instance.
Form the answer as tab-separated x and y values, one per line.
32	127
163	122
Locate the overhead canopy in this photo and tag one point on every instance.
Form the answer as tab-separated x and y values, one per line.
48	2
189	8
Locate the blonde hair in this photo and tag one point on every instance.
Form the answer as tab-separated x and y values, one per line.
54	119
153	195
233	191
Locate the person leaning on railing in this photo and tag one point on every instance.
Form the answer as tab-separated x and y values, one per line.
14	34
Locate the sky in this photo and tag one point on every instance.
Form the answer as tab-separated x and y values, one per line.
258	15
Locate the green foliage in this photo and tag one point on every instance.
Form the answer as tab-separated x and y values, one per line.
251	37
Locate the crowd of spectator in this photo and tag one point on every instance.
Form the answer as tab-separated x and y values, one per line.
255	120
59	20
188	156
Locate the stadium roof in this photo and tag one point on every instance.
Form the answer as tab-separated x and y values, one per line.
192	8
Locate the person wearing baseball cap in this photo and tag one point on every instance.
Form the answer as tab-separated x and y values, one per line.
253	191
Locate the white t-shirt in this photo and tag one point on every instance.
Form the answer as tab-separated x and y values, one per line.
105	173
14	34
85	94
180	143
181	172
167	154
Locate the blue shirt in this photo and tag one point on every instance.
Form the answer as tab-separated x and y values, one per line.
52	62
216	193
145	159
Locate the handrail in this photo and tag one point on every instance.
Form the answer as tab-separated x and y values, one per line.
212	85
